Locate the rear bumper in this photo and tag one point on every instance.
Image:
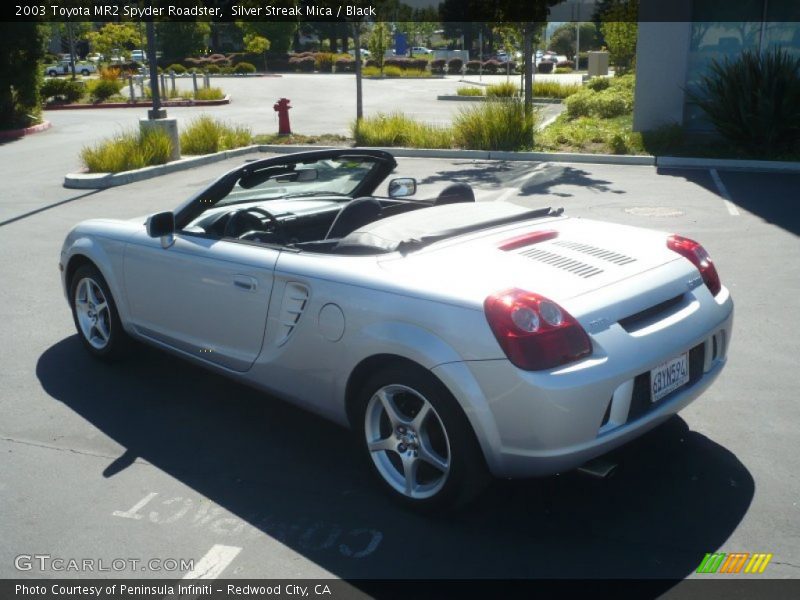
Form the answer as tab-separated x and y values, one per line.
539	423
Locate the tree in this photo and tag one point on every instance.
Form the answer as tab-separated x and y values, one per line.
379	40
114	37
179	39
418	31
564	39
22	49
279	33
257	44
620	29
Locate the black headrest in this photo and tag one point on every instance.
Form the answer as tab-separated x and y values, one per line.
455	192
355	214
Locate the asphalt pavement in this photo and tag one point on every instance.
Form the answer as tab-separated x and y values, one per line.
157	459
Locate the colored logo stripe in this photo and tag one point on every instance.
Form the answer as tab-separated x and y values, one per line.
722	562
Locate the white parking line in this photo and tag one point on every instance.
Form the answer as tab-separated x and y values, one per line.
214	562
723	191
519	181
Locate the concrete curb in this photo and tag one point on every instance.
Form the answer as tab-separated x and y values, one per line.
92	181
680	162
13	134
458	98
165	104
106	180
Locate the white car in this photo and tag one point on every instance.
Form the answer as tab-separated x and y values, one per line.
420	50
64	67
455	338
139	56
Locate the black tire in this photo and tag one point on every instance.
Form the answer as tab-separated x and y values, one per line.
117	341
52	73
409	386
85	72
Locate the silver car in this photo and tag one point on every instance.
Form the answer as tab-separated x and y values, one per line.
457	339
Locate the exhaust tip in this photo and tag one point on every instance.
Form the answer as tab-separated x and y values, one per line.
599	468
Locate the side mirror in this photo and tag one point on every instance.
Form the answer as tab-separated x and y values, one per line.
402	187
161	224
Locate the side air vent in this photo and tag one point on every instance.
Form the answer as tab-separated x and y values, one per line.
295	300
559	261
606	255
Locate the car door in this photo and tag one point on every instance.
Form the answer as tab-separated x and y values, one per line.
206	297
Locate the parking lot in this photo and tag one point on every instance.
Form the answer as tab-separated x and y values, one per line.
155	458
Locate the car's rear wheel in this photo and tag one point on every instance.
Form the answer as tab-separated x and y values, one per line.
95	314
85	72
420	444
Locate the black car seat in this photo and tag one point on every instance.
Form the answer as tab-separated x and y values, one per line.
355	214
455	192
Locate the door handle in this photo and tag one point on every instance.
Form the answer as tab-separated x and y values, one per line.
245	282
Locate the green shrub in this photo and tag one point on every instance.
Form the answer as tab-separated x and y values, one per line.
502	90
64	90
753	101
212	93
205	135
213	69
469	91
177	68
396	129
244	67
598	84
606	104
371	71
500	124
128	151
102	89
563	70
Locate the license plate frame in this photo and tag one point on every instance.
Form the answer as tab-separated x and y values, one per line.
669	376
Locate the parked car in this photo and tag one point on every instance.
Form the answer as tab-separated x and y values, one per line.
420	50
455	338
64	67
364	52
94	57
139	55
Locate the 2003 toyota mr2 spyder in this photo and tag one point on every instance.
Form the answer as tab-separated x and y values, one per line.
456	338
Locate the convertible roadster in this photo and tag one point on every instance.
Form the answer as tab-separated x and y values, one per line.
456	338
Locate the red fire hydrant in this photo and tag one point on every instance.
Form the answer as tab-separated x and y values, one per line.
282	108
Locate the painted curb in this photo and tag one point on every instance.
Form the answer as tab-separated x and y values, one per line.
165	104
12	134
680	162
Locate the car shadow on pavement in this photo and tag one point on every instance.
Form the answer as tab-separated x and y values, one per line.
299	479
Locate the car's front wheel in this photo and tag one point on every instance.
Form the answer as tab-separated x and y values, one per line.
85	72
420	444
95	314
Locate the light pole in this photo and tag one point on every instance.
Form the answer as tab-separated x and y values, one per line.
157	116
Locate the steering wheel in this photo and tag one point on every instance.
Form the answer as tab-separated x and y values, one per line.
244	221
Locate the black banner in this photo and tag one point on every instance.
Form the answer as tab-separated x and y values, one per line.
328	589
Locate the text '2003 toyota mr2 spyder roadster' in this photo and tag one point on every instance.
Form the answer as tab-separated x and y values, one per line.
456	338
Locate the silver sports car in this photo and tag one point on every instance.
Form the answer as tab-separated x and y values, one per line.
458	339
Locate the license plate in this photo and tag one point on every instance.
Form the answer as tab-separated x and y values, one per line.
669	376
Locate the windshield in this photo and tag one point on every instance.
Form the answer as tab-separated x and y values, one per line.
329	177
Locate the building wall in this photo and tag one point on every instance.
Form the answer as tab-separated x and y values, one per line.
661	60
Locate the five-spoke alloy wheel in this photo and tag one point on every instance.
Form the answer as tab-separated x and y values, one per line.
418	440
95	313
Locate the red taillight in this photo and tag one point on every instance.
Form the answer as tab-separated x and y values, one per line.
527	239
698	256
534	332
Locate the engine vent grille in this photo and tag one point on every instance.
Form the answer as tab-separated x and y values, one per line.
559	261
602	254
295	300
